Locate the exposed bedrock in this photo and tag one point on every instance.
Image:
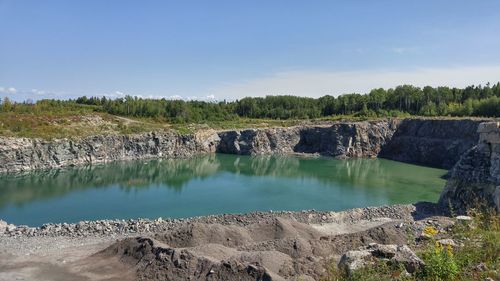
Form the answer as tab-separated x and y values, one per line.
475	179
353	139
23	154
430	142
438	143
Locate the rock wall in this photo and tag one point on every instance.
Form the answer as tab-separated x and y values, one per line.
352	139
23	154
438	143
435	143
475	179
429	142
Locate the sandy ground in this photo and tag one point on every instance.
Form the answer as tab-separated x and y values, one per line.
58	258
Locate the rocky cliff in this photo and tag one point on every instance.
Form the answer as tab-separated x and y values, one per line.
353	139
438	143
475	179
22	154
435	143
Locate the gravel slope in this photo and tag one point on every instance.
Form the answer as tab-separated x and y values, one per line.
278	245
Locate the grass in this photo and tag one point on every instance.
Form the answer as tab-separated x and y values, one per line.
476	258
74	124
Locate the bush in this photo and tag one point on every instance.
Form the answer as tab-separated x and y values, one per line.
440	263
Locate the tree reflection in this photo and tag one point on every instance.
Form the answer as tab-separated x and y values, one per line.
176	173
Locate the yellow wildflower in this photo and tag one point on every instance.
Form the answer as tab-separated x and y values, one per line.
431	231
449	250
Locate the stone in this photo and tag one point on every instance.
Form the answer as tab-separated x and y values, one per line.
3	226
10	228
463	218
487	127
353	260
447	242
383	251
481	267
408	258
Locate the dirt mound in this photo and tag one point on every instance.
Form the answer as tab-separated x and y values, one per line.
276	249
196	234
154	260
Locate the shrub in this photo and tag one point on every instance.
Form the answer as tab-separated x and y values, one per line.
440	263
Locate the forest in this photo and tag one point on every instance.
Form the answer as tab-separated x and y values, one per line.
403	100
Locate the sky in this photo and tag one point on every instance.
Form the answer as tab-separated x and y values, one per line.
215	50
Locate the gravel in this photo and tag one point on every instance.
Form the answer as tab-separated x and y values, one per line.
105	228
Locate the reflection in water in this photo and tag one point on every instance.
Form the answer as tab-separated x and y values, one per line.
128	175
240	183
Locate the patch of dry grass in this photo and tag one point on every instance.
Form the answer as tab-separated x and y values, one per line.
71	125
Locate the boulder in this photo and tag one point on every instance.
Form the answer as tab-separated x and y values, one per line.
353	260
393	254
447	242
3	226
10	228
464	218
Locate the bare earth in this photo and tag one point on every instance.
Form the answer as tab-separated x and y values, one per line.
295	246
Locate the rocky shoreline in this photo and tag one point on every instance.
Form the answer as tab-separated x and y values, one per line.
137	226
431	142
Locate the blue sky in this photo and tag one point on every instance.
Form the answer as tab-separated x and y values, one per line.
230	49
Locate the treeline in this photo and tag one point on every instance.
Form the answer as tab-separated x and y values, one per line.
402	100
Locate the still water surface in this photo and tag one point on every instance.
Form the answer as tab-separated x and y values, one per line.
211	184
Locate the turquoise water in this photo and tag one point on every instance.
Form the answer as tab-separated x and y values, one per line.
213	184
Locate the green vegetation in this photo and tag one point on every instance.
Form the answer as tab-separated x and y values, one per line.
406	99
51	118
61	119
477	256
441	263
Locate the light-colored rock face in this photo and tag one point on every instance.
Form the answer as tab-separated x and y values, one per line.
22	154
475	179
356	139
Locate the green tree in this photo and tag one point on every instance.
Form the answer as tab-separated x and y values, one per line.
7	105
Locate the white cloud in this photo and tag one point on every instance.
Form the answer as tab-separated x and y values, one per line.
120	94
175	97
116	94
319	83
404	50
8	90
38	92
202	98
